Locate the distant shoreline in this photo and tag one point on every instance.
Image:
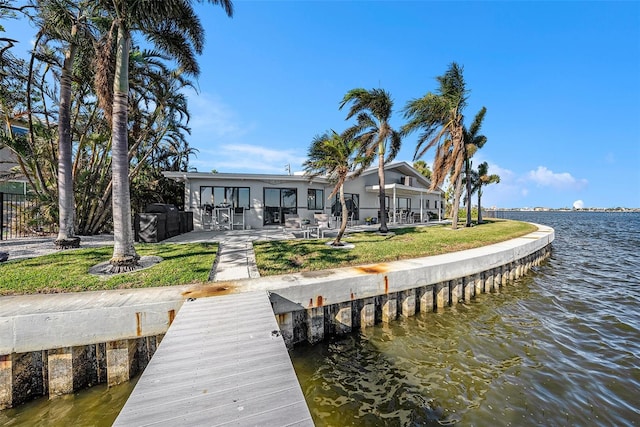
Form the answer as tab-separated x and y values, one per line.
563	210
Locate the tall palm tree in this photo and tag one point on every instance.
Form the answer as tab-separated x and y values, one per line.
484	179
374	133
335	156
173	28
66	22
473	142
440	119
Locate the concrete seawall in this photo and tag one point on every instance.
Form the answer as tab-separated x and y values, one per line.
78	340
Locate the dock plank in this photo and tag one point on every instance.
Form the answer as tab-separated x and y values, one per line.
220	363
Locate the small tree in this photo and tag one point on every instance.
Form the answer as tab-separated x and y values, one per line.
374	133
484	179
335	156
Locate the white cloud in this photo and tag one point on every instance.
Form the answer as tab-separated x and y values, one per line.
544	177
221	137
248	158
508	192
578	204
212	118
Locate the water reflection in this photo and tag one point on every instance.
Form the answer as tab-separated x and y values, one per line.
98	406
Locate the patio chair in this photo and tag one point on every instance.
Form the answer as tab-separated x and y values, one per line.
321	224
293	224
350	220
321	220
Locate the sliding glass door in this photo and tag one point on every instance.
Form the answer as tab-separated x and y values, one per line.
279	202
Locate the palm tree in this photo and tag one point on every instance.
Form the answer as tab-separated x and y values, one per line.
173	28
336	157
374	133
439	117
473	142
484	179
67	23
422	167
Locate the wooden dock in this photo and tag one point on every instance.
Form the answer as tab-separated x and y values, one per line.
222	362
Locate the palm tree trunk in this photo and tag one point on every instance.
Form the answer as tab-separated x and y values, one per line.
124	256
460	156
345	214
479	205
383	217
66	238
468	177
457	192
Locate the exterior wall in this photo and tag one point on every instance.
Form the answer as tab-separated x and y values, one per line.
370	203
368	200
254	217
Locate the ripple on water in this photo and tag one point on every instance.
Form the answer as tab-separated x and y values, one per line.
558	348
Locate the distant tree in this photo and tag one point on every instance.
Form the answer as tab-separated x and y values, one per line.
335	156
374	133
422	167
484	179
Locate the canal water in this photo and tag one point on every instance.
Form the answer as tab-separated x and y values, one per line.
97	407
559	347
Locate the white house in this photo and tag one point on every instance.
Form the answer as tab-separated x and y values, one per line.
11	179
262	200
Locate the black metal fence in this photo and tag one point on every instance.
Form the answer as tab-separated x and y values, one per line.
20	217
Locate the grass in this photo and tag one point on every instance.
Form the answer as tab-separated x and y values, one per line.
288	256
67	271
183	264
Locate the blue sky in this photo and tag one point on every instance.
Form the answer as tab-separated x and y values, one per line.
560	80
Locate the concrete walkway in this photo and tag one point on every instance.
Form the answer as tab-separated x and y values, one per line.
236	259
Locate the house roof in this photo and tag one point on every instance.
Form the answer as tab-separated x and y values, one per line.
406	169
401	166
184	176
402	190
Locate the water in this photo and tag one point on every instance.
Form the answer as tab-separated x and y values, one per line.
559	348
98	406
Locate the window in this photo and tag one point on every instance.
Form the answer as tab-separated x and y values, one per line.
426	204
353	205
279	202
403	203
235	197
19	131
315	199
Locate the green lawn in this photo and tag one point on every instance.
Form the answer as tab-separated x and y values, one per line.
67	271
287	256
